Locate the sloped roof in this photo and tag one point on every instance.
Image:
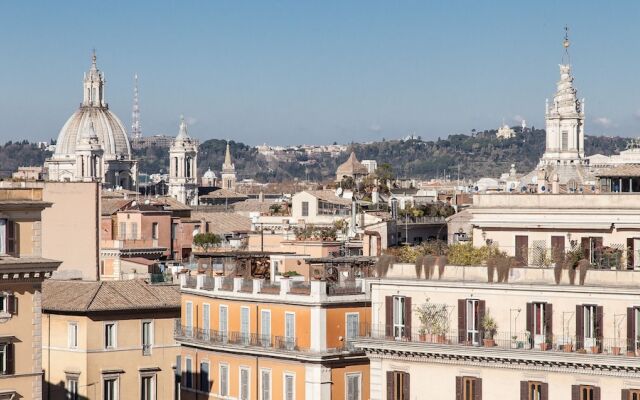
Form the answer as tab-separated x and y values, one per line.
222	223
253	205
223	194
87	296
329	196
110	205
351	167
630	170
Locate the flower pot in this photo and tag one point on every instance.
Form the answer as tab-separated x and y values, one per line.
489	342
567	348
637	352
595	349
631	353
422	337
615	350
544	346
439	339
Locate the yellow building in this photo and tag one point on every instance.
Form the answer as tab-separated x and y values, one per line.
22	270
253	339
109	340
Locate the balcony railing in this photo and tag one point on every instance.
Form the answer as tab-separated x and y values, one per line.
246	286
300	287
227	283
237	338
344	289
191	282
514	341
270	288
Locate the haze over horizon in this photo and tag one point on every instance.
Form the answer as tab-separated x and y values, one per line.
289	73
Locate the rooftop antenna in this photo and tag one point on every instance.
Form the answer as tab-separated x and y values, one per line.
566	44
136	132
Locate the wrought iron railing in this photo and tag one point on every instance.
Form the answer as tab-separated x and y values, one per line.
299	287
352	288
237	338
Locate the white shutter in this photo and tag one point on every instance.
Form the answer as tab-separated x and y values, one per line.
288	387
266	385
265	327
224	376
244	324
223	320
353	322
189	318
244	384
205	318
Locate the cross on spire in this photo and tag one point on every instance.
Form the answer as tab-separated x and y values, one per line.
566	44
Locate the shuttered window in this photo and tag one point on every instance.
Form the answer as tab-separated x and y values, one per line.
265	384
265	327
289	330
533	390
468	388
223	321
206	320
589	327
188	373
205	385
6	359
630	394
244	324
398	385
244	384
353	387
470	314
189	318
122	231
224	380
353	322
540	323
585	392
289	387
633	328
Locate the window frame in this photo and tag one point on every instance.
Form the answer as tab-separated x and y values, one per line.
224	366
154	230
114	339
242	369
188	372
265	337
470	392
4	358
399	317
147	347
188	317
201	388
586	396
72	326
116	386
262	372
532	387
304	209
71	387
357	375
346	325
290	340
154	388
292	375
245	334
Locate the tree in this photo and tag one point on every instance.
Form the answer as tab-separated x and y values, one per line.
206	240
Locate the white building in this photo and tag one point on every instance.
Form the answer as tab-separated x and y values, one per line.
505	132
183	159
114	167
371	165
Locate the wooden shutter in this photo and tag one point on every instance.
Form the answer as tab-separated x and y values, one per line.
388	318
631	328
579	327
630	253
406	386
545	390
459	383
529	323
548	321
596	393
462	320
10	359
557	249
408	311
584	244
625	394
12	304
599	327
575	392
389	385
522	249
524	390
477	389
480	316
12	228
598	248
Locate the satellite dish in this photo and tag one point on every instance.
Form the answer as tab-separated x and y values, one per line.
523	189
543	189
475	188
338	191
593	188
581	190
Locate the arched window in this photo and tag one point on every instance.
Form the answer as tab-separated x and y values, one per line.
188	174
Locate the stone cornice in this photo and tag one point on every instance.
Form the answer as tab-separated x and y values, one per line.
550	361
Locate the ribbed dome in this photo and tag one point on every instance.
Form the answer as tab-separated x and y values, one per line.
108	127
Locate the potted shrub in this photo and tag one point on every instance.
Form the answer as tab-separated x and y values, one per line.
595	349
490	327
514	343
546	345
567	347
434	322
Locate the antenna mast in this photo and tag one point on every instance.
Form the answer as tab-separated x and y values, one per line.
136	132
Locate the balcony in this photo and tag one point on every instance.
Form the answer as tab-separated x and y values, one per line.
216	338
520	342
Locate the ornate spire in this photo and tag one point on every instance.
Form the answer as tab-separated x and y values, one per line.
136	131
182	134
227	158
93	95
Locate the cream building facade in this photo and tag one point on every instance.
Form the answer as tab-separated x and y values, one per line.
109	340
550	341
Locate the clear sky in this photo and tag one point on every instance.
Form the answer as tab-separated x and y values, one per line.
289	72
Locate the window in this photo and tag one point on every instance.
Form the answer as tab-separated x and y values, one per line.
224	380
154	231
631	394
353	325
244	384
147	337
589	324
473	321
244	325
565	140
72	388
189	318
533	390
305	208
289	330
399	317
539	323
3	236
134	231
587	392
636	328
205	385
265	327
122	231
265	384
353	387
289	386
110	389
12	237
109	335
223	322
468	388
8	303
147	388
72	330
6	359
188	378
398	385
206	323
174	231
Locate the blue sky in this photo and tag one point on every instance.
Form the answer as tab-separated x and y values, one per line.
288	72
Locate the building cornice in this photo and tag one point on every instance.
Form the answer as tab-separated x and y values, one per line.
571	363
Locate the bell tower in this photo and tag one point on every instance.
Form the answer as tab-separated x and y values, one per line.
89	154
183	166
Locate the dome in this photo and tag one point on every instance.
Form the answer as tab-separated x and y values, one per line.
209	174
107	126
352	167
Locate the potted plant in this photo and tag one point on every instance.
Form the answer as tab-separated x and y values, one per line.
567	347
595	349
514	343
424	315
490	327
546	345
434	322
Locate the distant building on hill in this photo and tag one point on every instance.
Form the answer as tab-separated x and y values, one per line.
505	132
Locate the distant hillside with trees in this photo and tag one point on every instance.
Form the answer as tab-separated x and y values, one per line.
476	155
